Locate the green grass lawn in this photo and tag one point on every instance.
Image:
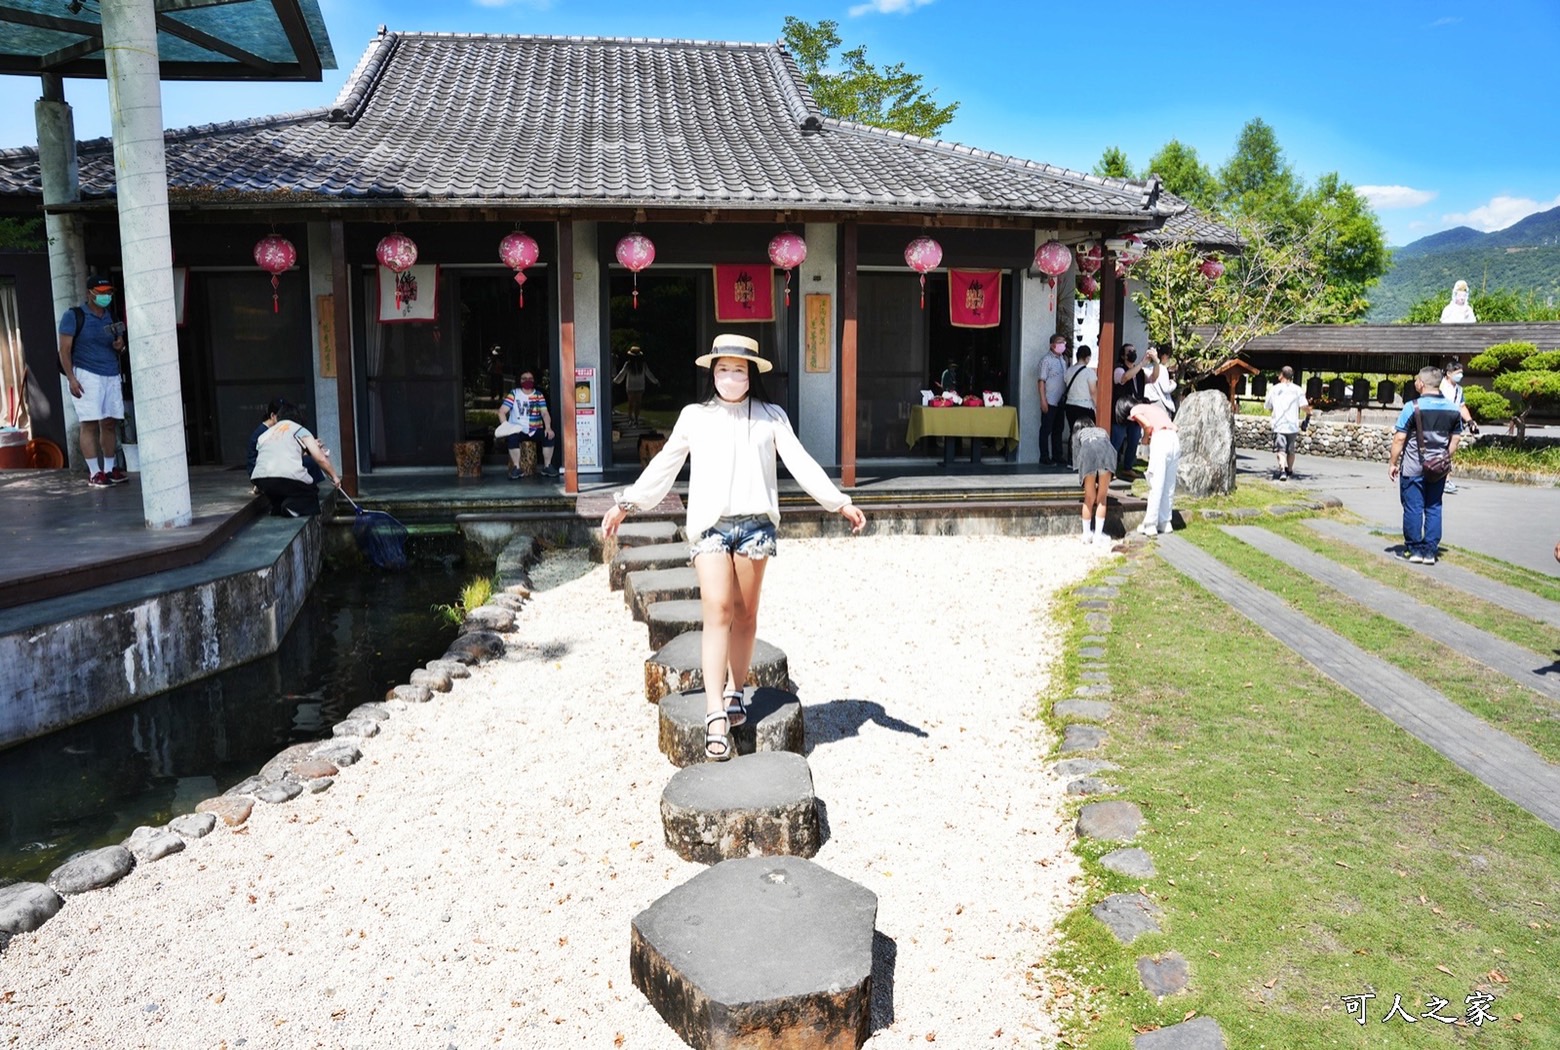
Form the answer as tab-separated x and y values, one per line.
1307	849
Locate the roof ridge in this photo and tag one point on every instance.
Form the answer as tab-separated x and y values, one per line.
354	93
793	89
556	38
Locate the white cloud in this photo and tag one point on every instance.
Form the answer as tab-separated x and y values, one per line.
886	7
1500	212
1439	22
1381	197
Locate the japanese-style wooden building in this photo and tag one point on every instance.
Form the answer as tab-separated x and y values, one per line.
708	149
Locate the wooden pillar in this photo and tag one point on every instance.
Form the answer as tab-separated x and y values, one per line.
1110	332
568	445
341	331
848	307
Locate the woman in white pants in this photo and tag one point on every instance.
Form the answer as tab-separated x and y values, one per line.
1164	459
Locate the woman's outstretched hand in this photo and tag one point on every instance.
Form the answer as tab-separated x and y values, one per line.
853	514
612	519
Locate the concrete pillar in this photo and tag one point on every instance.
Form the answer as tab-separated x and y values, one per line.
141	183
1037	318
818	400
327	416
585	276
67	247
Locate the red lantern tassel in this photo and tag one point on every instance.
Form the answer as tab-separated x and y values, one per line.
276	303
923	291
788	288
636	291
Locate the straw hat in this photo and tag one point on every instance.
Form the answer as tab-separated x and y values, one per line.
634	351
738	346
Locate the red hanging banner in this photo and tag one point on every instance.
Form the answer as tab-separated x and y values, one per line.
974	298
744	293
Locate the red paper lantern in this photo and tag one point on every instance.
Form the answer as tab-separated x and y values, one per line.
635	252
923	255
275	255
1090	256
397	253
1212	269
518	250
1053	258
787	251
1088	286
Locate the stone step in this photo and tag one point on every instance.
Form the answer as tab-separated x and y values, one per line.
760	952
658	585
774	724
650	556
676	667
632	534
669	619
755	805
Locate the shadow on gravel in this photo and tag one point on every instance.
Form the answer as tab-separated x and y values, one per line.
823	821
885	955
833	721
558	567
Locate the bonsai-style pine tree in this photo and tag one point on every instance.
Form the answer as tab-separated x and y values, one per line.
1524	378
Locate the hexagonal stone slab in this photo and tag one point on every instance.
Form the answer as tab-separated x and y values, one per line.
678	666
650	556
1080	737
1164	975
1127	915
1132	861
658	585
760	952
669	619
774	724
757	805
1200	1033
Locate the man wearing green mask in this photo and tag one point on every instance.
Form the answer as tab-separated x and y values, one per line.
90	344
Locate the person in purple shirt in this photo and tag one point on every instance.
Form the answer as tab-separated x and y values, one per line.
1430	425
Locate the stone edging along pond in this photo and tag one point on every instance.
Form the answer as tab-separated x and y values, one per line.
307	767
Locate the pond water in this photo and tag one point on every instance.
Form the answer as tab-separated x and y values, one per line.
359	633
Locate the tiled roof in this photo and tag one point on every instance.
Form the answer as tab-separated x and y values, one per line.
1189	224
578	122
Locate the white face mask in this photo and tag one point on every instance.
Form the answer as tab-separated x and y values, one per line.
731	381
1058	348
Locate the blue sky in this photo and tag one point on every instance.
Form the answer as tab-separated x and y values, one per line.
1442	114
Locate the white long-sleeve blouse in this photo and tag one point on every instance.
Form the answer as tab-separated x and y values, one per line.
733	449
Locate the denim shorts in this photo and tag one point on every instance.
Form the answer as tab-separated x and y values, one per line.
751	536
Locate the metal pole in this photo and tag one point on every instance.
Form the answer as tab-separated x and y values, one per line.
67	248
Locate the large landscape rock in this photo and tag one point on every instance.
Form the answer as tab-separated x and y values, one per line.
753	805
92	870
763	952
1207	429
26	906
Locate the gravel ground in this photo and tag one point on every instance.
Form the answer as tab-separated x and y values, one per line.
471	882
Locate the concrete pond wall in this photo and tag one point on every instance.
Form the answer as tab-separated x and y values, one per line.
101	659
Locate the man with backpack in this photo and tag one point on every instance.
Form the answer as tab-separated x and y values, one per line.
90	345
1423	443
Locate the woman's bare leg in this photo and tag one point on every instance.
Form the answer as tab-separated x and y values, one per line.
1101	500
717	601
744	618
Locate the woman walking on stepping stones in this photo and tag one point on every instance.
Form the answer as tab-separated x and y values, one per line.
732	437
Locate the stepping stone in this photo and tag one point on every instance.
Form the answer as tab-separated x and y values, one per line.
1092	690
1116	821
1280	509
1096	592
193	825
1246	512
1087	676
1098	604
633	534
1097	621
658	585
1090	786
1079	737
1089	710
92	870
149	844
1091	652
751	806
25	906
669	619
1165	975
1092	639
1200	1033
760	952
1131	861
774	724
651	556
1127	915
1082	767
676	666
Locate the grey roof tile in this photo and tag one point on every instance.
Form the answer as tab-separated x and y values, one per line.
551	121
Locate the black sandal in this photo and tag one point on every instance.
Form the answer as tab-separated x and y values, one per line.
736	708
717	746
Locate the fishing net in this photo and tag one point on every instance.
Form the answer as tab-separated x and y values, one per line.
379	536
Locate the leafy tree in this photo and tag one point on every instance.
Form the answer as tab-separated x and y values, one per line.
1259	184
851	88
1275	282
1185	175
1347	238
1113	164
1525	376
1499	305
24	234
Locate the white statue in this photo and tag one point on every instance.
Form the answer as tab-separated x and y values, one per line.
1458	311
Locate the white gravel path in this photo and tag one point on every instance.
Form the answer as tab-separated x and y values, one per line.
471	882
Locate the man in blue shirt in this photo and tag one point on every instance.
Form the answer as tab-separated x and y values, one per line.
1430	426
90	343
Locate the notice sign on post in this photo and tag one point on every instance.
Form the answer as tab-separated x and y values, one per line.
817	332
587	434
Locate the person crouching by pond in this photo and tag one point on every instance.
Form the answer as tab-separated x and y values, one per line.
1164	460
286	462
732	438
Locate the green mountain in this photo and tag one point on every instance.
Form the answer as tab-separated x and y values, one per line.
1523	257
